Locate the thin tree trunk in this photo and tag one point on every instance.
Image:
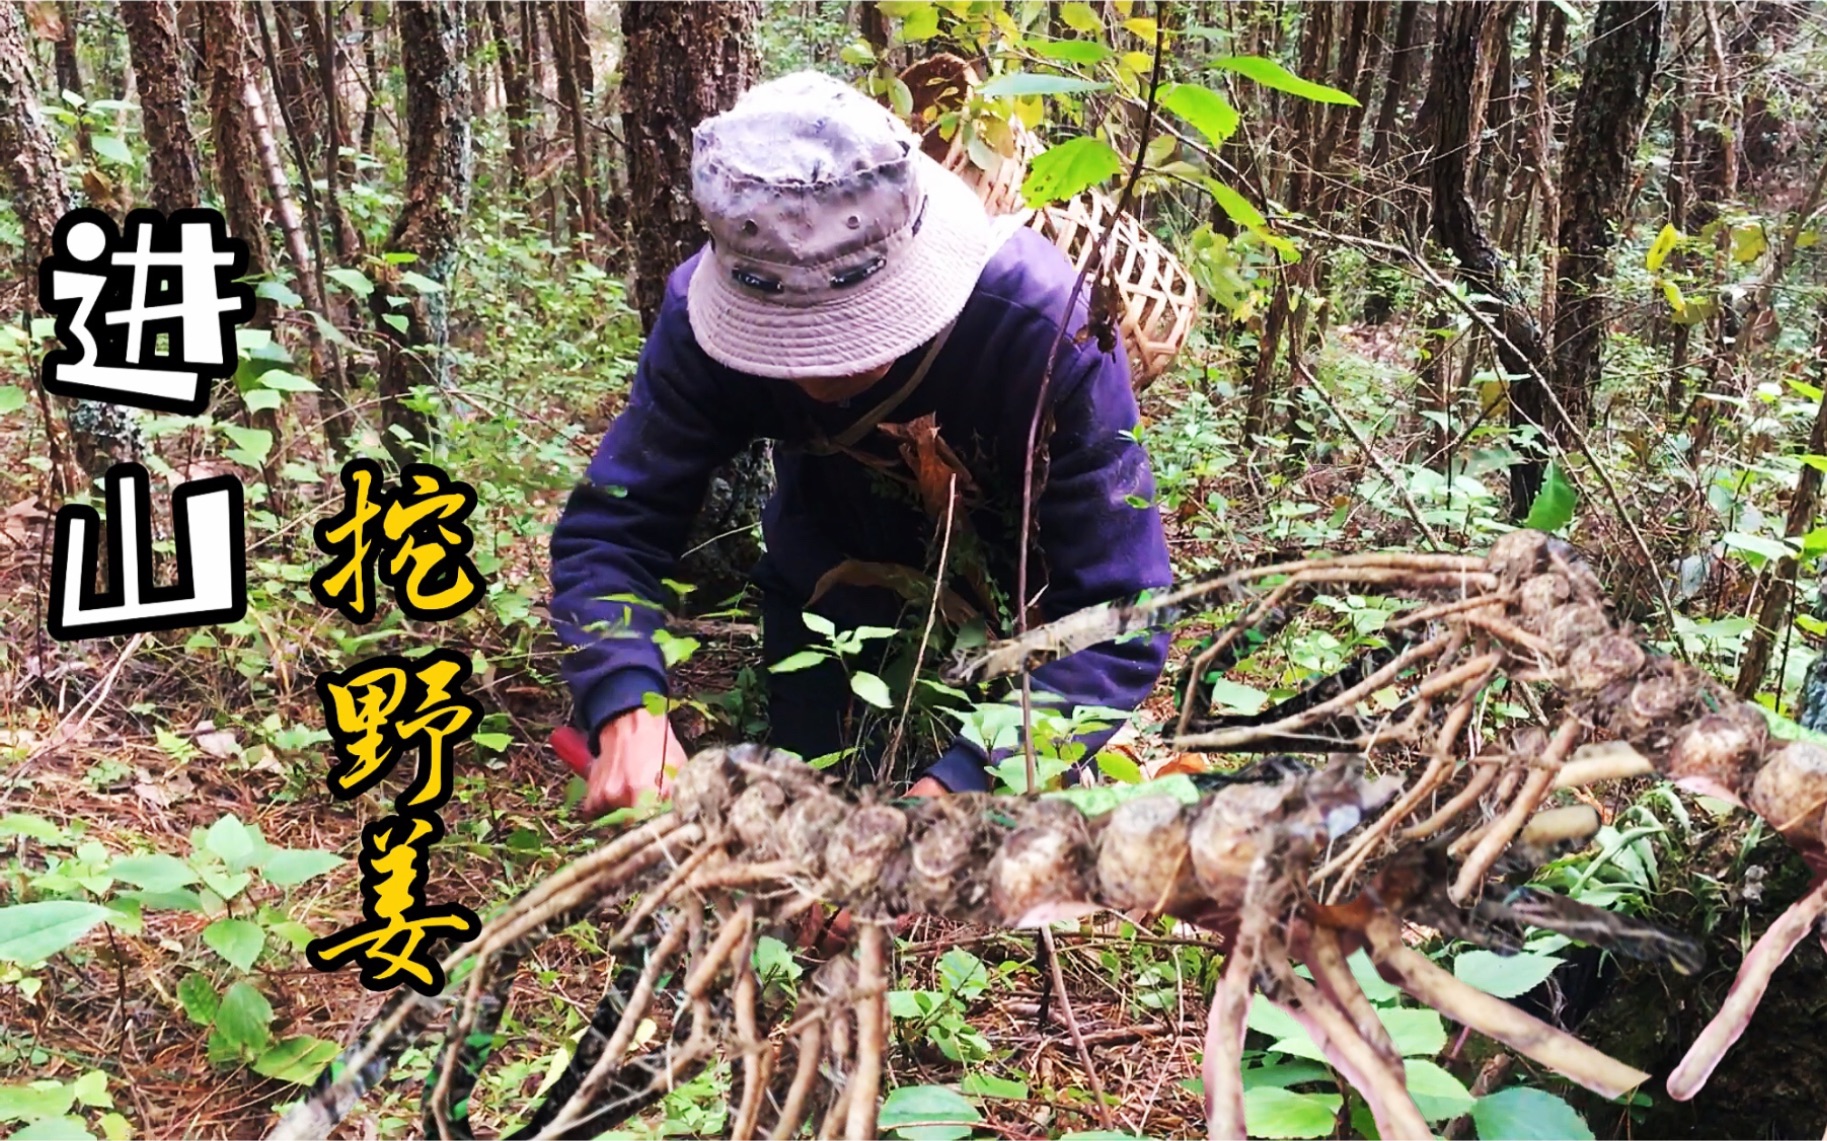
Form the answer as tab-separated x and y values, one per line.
164	89
1595	176
1456	114
514	96
100	433
1780	588
433	54
682	64
295	60
227	57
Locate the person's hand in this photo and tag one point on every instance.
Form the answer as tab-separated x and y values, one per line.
636	754
830	938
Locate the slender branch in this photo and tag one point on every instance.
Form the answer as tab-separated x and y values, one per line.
1097	257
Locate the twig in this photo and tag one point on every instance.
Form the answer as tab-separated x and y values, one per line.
1078	1037
1098	258
932	614
871	1031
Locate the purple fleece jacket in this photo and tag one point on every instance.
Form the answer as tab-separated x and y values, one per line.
624	527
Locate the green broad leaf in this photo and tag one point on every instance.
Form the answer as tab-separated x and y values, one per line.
1763	547
397	322
1019	84
1554	503
287	867
494	742
905	1108
229	840
1070	51
296	934
33	932
113	148
156	872
1416	1033
1269	1111
1234	697
1081	17
1119	768
237	940
12	398
1521	1114
92	1089
1437	1093
1271	74
872	689
252	445
298	1060
1505	976
116	1128
921	23
261	400
1209	112
329	332
182	899
1369	981
1069	169
37	1100
963	974
244	1017
803	660
1235	206
280	292
1661	248
819	624
1281	1075
34	827
354	280
197	995
989	1085
420	282
284	381
61	1128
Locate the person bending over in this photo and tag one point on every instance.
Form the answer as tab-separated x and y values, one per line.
851	285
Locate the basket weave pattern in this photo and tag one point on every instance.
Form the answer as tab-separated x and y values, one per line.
1159	298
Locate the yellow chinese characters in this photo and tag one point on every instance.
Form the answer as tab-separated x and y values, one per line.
395	943
412	536
384	706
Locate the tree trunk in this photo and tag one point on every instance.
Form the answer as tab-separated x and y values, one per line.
515	96
227	56
1595	175
152	37
1457	113
1779	587
684	63
295	65
571	57
100	434
429	224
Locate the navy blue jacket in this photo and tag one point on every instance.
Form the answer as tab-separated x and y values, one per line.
625	526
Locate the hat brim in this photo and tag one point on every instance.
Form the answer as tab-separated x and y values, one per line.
873	323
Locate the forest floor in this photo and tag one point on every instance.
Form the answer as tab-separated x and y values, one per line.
137	744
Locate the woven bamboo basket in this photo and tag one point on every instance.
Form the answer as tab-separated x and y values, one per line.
1159	299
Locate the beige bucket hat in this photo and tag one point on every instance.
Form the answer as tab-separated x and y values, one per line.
836	246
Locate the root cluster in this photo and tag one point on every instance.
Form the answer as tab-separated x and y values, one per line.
1286	863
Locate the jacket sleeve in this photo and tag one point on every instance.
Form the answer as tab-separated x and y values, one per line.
625	524
1101	539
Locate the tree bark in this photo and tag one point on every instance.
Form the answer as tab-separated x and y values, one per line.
228	59
1595	176
1457	116
571	57
100	433
164	88
1780	585
433	54
515	96
684	63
